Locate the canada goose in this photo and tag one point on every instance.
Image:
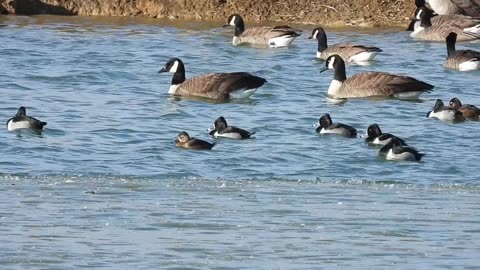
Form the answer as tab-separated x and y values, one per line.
21	120
395	150
221	129
468	111
183	140
278	36
463	60
377	137
461	21
467	7
213	85
326	126
369	84
444	113
349	52
423	29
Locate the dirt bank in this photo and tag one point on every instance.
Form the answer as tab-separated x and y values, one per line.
323	12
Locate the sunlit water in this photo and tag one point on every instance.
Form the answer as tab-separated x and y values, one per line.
104	186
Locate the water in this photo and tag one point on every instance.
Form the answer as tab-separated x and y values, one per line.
104	186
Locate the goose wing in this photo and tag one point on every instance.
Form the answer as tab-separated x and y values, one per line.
219	85
461	21
464	55
262	34
470	7
367	84
440	32
347	50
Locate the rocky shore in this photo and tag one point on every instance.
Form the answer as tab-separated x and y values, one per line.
366	13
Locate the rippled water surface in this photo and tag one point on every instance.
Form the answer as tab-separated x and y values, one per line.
104	186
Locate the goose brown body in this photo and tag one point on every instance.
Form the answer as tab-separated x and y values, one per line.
219	86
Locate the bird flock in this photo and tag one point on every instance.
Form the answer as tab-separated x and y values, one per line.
446	21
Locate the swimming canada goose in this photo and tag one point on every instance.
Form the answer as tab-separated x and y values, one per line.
460	21
278	36
221	129
21	120
468	111
467	7
370	84
395	150
462	60
326	126
183	140
377	137
349	52
444	113
219	86
423	29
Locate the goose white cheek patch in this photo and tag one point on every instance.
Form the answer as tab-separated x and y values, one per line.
174	67
232	22
330	63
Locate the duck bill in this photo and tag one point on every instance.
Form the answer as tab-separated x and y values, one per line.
323	69
162	70
310	37
226	25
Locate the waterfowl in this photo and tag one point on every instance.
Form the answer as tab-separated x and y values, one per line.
377	137
467	7
220	86
468	111
463	60
460	21
444	113
183	140
221	129
424	30
326	126
395	150
369	84
278	36
348	52
21	120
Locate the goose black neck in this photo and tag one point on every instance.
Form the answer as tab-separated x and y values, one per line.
179	75
239	27
322	42
450	45
425	21
340	72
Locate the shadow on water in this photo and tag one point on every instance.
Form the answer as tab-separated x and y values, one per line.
212	101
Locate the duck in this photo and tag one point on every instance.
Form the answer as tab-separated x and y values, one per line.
218	86
444	113
395	150
467	7
326	126
461	21
371	84
274	37
22	121
424	30
185	141
467	110
348	52
222	129
462	60
377	137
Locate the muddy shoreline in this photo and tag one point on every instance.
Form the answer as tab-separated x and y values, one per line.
362	13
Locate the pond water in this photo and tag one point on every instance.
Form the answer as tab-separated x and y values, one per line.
103	186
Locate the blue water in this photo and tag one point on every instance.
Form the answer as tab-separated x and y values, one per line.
104	186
